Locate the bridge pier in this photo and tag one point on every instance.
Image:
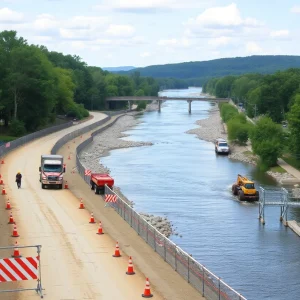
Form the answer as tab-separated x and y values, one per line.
159	105
129	104
190	106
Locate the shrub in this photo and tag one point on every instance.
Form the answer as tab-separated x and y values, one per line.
141	105
17	128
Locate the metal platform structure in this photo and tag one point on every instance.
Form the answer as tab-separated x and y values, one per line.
279	198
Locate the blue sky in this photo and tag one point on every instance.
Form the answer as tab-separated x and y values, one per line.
146	32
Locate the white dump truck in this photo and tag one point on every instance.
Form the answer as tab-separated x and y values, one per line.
52	171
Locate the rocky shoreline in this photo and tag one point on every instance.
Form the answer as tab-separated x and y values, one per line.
213	127
110	139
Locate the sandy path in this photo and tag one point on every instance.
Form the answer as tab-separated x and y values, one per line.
76	263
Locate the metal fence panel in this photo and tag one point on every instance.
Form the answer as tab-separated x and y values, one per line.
151	237
170	253
160	244
211	285
182	266
196	275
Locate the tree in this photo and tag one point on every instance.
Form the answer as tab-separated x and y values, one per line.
294	126
266	138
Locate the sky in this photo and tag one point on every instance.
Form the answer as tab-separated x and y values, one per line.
110	33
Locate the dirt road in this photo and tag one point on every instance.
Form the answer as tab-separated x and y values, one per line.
76	263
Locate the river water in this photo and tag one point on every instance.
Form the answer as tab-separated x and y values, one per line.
182	178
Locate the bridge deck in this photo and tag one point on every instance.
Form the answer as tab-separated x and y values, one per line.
152	98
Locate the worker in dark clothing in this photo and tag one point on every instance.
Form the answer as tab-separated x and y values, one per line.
19	179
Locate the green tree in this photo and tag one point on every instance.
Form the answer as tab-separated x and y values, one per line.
294	126
266	138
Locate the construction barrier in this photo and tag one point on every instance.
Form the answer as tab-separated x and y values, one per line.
18	268
208	284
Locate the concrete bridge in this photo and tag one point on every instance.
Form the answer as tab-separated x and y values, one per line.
160	99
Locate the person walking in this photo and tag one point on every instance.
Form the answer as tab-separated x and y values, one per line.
19	179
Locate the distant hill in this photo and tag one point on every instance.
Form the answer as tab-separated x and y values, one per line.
220	67
117	69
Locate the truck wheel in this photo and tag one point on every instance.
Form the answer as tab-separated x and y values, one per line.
43	186
241	196
234	189
96	190
257	196
60	186
92	185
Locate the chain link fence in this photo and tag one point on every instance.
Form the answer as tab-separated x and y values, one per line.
204	281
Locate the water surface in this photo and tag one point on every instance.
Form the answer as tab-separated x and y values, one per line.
182	178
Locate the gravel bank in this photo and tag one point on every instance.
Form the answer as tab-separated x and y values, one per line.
111	139
213	128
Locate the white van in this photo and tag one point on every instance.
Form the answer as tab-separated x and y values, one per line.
221	146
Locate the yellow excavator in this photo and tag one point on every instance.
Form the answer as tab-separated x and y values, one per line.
245	189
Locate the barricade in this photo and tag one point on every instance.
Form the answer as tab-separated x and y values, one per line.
14	269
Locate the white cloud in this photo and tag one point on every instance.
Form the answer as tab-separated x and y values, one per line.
167	42
221	41
223	17
296	9
120	30
151	6
178	43
253	48
280	34
145	54
10	16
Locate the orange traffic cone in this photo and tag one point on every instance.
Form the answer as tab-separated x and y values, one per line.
8	205
16	251
0	176
130	267
69	157
147	292
81	205
100	230
1	181
3	191
15	232
92	220
2	162
117	251
11	219
66	185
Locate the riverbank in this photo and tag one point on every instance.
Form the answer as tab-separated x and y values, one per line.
213	127
111	139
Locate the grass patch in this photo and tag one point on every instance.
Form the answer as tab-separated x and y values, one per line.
277	169
248	153
291	160
7	138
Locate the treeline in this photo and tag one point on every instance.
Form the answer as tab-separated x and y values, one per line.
202	70
36	85
266	136
273	99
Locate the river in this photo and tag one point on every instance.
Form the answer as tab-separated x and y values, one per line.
182	178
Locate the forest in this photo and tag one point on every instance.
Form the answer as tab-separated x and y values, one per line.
273	101
37	85
197	72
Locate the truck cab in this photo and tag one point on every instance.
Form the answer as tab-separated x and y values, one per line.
221	146
51	171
